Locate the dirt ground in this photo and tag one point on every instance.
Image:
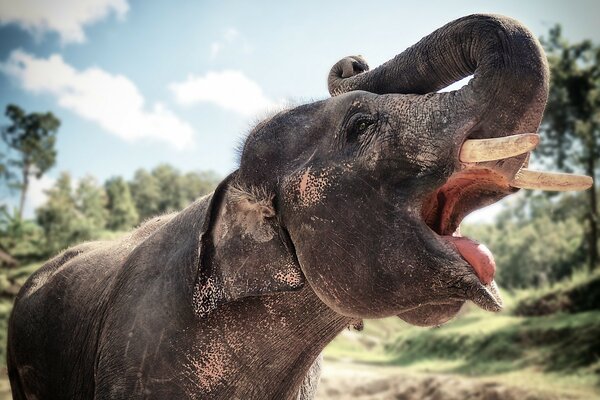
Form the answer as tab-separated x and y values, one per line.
344	381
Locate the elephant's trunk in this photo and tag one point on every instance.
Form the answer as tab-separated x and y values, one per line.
509	88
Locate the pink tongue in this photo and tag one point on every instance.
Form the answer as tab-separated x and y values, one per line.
476	254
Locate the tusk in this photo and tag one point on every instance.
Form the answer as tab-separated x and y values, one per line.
480	150
553	181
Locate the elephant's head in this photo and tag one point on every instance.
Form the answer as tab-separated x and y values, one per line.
366	188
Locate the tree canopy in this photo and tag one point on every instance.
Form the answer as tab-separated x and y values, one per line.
30	139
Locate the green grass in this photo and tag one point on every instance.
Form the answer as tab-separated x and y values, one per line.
501	343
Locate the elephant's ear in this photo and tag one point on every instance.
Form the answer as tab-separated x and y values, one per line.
244	251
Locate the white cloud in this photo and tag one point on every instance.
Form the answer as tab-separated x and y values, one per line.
229	36
215	48
66	17
36	194
112	101
228	89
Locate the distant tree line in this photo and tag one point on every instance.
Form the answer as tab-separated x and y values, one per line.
73	214
87	210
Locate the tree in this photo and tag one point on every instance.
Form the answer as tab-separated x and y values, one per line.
122	213
165	189
171	195
571	125
197	184
19	239
32	136
91	201
63	223
146	194
535	240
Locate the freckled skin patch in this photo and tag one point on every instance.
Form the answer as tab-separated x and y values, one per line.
289	275
209	367
311	187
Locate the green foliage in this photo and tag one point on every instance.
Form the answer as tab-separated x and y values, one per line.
146	194
535	241
573	297
171	194
63	223
196	184
19	238
32	138
165	189
554	343
121	208
86	212
571	122
91	200
571	125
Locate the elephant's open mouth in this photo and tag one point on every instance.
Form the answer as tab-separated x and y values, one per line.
464	192
443	210
490	170
477	184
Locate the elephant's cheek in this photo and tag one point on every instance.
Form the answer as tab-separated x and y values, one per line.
346	279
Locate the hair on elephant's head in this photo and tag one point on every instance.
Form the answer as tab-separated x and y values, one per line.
360	196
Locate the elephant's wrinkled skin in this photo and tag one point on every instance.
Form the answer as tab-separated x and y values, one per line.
340	210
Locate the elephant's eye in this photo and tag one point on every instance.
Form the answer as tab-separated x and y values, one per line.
360	126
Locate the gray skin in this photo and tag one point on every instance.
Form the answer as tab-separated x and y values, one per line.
335	214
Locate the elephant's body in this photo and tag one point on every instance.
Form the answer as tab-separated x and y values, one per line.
113	320
341	209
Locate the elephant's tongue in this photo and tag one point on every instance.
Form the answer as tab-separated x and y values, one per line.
477	255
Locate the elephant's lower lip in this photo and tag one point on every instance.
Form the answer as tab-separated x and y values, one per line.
433	314
486	297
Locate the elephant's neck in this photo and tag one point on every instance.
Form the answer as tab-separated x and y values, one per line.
261	322
302	326
273	341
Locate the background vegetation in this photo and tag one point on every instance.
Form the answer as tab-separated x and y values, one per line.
546	245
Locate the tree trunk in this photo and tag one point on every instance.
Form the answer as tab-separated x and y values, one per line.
593	213
6	260
24	189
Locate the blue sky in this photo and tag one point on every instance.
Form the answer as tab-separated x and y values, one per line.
139	83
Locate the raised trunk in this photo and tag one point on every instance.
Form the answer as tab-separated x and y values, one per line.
509	88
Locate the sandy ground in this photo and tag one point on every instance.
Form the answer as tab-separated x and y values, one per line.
351	381
347	381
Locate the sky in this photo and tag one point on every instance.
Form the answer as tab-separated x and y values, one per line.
136	84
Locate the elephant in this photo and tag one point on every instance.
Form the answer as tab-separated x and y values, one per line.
342	209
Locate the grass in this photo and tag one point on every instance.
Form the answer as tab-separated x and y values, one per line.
561	342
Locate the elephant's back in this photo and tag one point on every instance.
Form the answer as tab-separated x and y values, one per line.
86	269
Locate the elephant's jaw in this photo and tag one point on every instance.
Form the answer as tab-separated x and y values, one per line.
488	170
444	210
470	188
